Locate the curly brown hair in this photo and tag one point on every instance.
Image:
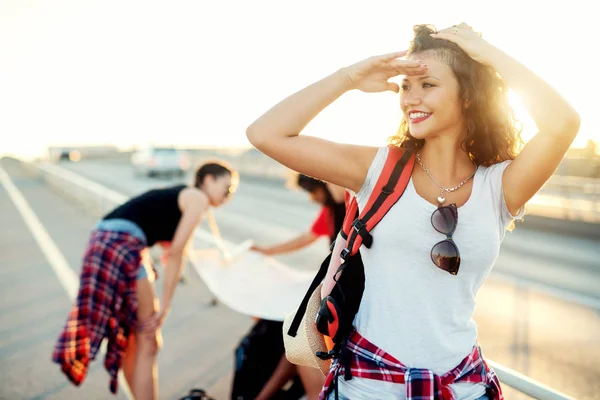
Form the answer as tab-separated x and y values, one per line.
493	132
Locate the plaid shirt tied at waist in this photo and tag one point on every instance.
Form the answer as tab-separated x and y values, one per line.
370	362
106	306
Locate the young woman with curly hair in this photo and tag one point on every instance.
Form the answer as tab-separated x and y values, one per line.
415	337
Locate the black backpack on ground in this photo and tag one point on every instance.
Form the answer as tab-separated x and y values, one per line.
256	357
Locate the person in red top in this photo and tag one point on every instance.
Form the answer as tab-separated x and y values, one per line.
322	226
328	223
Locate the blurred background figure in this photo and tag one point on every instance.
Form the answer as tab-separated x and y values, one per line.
328	222
117	299
262	370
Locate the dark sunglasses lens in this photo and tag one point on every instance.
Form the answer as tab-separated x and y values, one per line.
445	256
444	220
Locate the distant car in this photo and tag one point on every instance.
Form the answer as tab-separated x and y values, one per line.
69	155
166	161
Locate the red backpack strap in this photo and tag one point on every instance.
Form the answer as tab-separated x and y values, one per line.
351	214
390	186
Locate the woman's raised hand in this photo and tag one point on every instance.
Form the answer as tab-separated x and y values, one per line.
372	74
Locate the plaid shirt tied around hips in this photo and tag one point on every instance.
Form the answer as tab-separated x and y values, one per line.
106	306
370	362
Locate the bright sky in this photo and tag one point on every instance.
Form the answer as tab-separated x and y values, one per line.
198	73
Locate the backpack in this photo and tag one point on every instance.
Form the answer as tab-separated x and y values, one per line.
337	310
256	357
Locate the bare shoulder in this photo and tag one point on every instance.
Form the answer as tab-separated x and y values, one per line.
192	198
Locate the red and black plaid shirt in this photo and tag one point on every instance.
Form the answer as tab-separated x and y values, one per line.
370	362
106	306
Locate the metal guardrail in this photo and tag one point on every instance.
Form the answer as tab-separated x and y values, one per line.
568	198
98	200
526	385
572	195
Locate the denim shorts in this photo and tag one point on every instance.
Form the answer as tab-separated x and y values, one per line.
143	274
123	225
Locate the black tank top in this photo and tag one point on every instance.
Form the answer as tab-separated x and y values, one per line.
156	212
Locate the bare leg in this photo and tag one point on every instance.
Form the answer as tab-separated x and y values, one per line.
145	377
312	380
284	372
129	361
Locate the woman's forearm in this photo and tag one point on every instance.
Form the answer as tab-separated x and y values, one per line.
283	373
172	276
291	115
295	244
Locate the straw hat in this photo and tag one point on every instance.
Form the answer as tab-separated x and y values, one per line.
301	349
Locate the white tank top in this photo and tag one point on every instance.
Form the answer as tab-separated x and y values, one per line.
413	310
